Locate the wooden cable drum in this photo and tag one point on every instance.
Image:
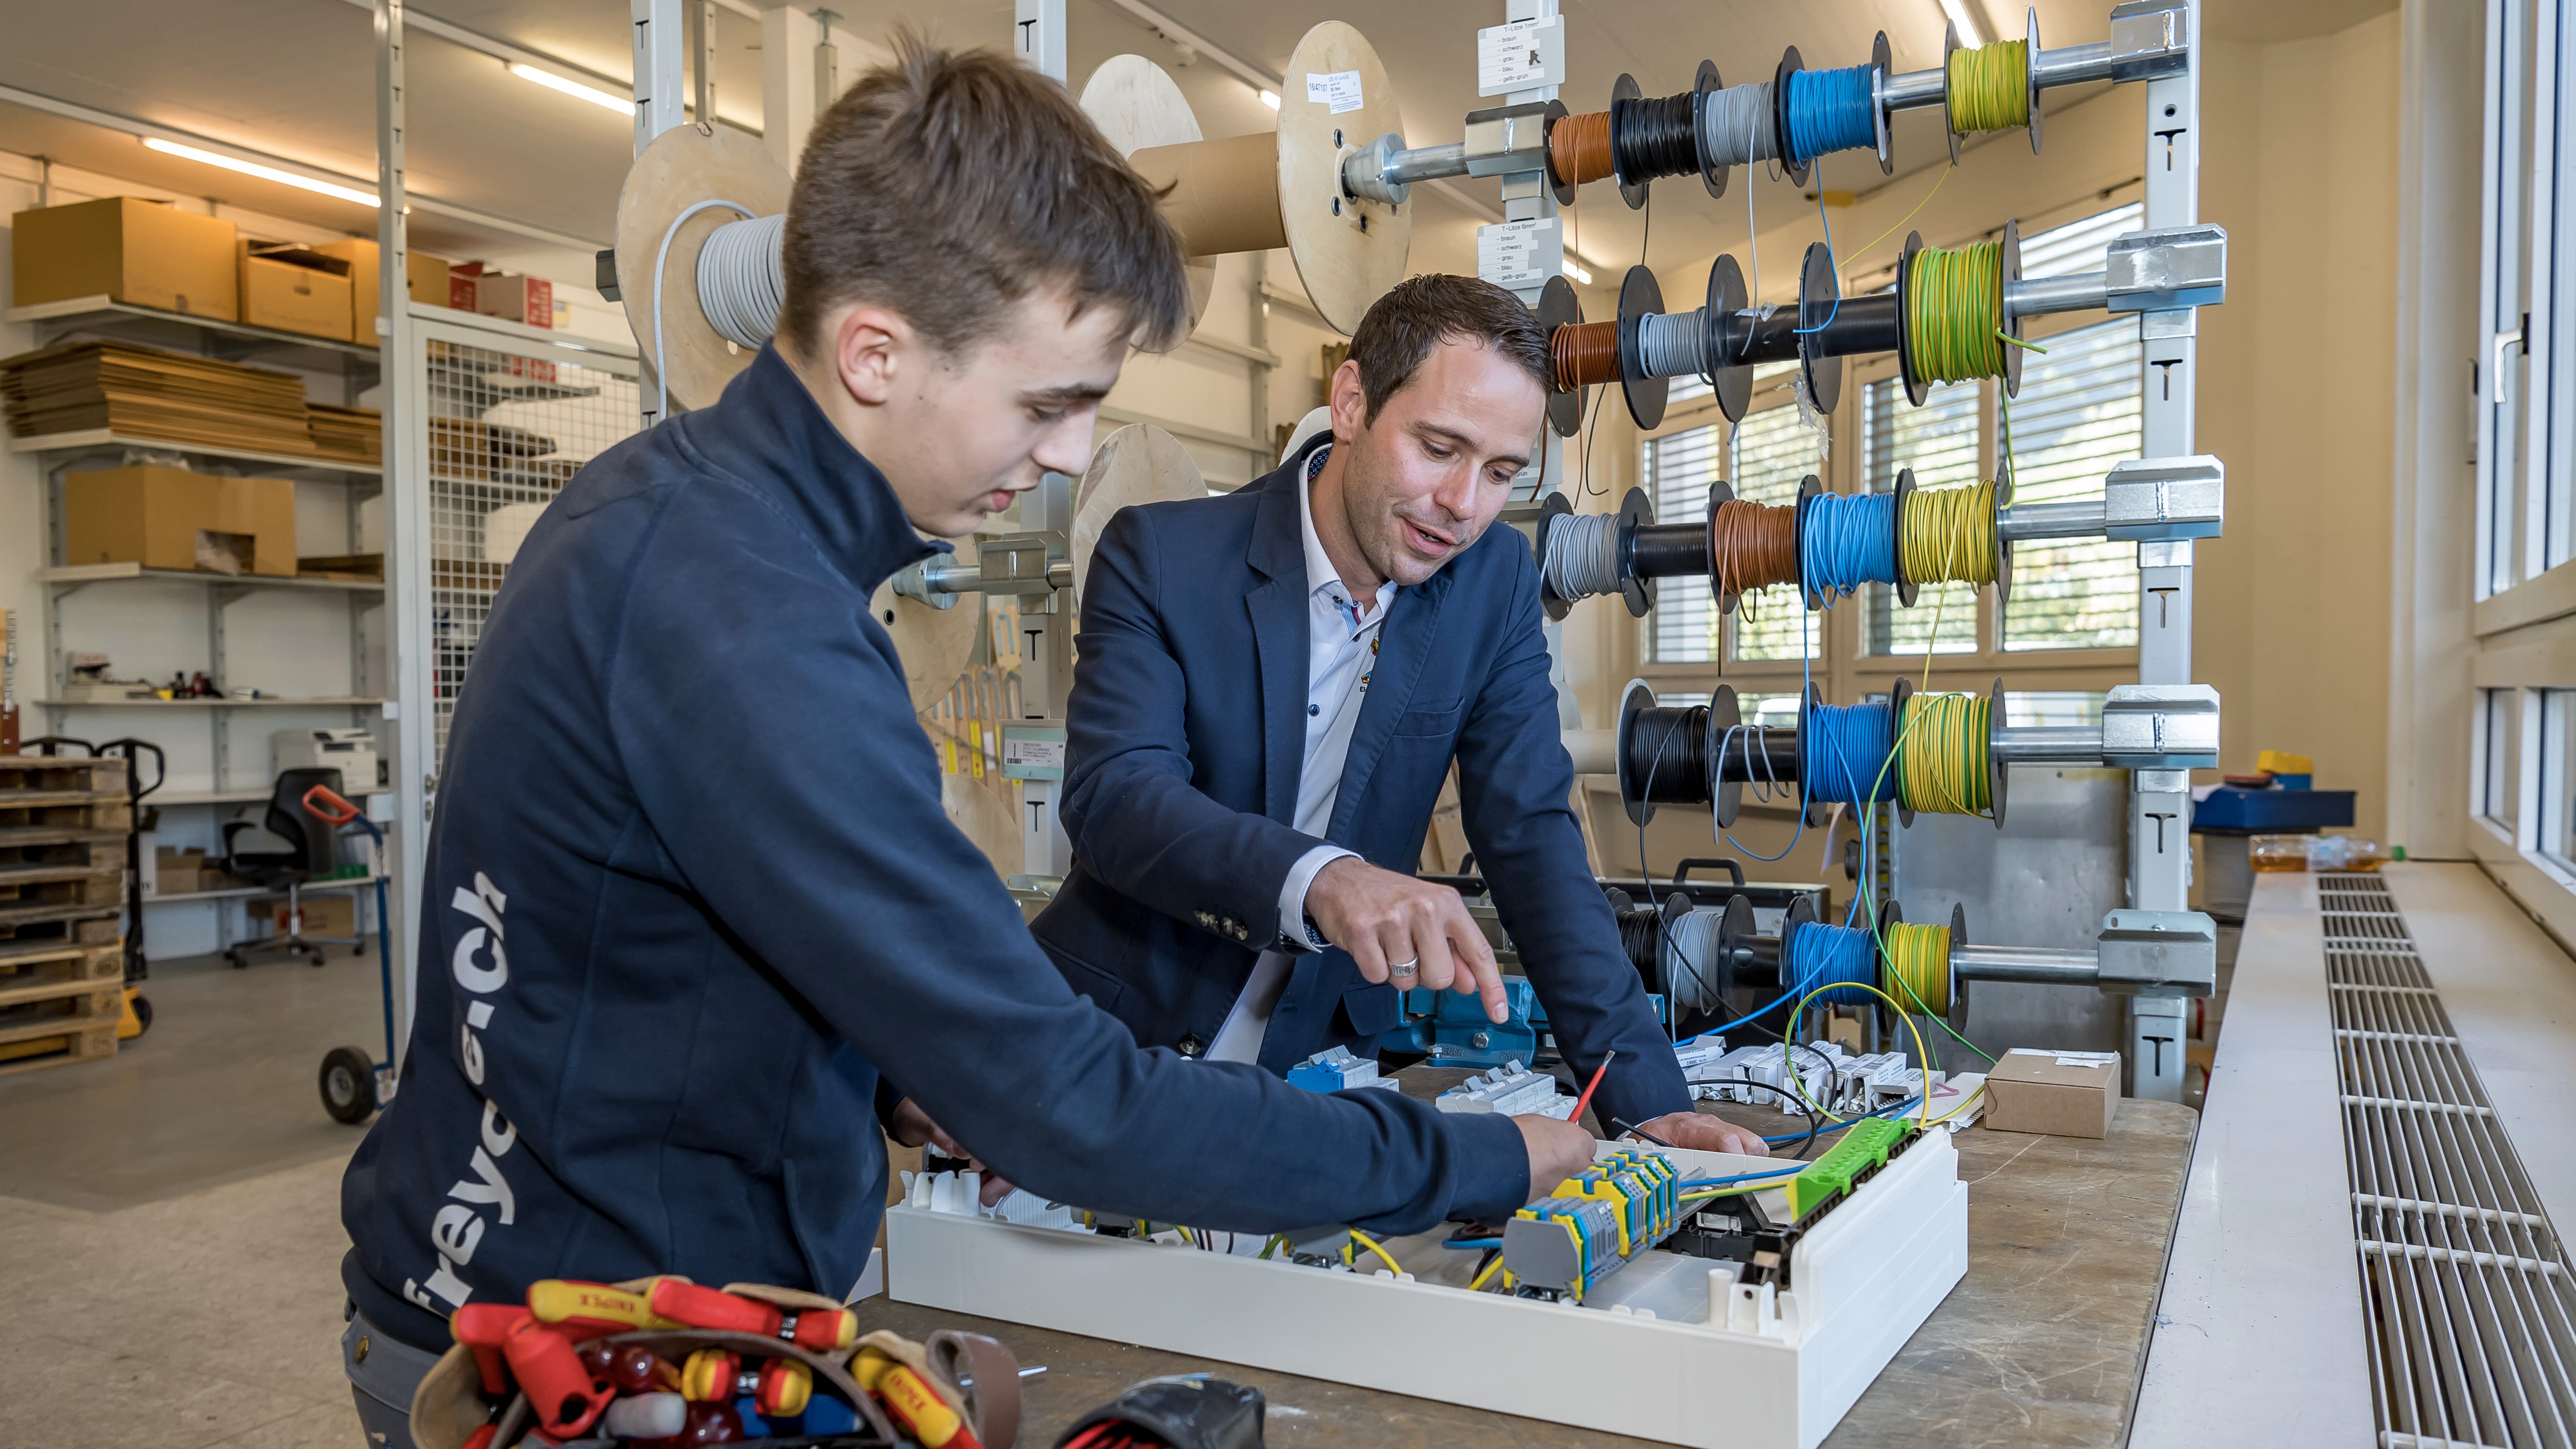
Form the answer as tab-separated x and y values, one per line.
684	166
1138	106
1284	188
935	643
1138	463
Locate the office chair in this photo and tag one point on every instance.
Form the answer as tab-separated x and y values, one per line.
311	855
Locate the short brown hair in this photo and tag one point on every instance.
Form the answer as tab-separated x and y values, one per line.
1418	313
952	184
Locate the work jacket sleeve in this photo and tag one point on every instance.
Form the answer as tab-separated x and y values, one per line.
1515	782
763	718
1131	807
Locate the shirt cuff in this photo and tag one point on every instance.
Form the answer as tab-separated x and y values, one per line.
1293	931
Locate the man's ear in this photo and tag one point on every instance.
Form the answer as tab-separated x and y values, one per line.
1348	399
868	352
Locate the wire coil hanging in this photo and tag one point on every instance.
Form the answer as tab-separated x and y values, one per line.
1673	344
1942	765
1651	137
1578	148
1989	87
1831	110
1584	354
1736	125
1752	546
1834	960
1916	970
1844	755
1948	535
1954	312
742	279
1583	555
1845	541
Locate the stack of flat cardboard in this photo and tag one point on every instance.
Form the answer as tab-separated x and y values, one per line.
350	435
143	392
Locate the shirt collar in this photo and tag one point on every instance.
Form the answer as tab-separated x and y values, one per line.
1320	573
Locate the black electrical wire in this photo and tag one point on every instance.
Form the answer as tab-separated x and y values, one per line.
1653	137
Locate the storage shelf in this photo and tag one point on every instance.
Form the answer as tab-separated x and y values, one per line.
322	702
238	893
70	312
160	798
107	572
93	440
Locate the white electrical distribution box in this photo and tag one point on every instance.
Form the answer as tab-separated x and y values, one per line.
1669	1347
352	752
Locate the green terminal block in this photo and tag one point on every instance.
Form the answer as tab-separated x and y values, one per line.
1865	1148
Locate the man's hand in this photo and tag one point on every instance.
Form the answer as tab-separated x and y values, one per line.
1701	1132
912	1127
1387	921
1557	1151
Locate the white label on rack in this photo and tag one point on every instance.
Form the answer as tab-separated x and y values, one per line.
1519	255
1517	56
1026	753
1337	92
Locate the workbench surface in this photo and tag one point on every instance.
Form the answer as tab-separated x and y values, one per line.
2041	1344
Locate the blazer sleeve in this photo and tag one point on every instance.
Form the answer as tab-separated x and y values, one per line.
853	887
1514	783
1130	807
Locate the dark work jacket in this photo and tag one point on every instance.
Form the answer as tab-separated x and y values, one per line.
1187	732
690	891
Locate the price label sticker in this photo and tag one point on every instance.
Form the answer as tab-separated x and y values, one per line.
1337	92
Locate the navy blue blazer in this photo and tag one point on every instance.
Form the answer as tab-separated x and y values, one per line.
1187	733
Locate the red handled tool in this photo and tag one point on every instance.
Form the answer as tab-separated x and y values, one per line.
823	1330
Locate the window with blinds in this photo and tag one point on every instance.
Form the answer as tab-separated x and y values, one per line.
1683	627
2080	411
1939	441
1774	450
2078	246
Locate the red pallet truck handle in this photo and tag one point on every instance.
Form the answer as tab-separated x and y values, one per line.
326	803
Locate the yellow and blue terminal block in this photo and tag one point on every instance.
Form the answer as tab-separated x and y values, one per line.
1593	1224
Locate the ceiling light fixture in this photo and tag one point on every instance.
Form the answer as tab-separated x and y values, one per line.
574	89
1270	99
264	173
1970	31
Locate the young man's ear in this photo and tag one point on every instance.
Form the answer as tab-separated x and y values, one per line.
868	349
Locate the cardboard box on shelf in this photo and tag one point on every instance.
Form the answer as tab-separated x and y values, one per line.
141	253
2059	1093
170	518
335	914
178	872
426	274
517	297
294	289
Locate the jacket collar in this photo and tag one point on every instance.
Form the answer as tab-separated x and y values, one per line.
767	431
1278	538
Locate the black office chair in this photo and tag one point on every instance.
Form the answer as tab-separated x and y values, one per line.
312	854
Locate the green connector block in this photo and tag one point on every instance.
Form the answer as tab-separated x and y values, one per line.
1864	1145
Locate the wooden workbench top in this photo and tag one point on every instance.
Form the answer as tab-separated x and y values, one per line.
2041	1344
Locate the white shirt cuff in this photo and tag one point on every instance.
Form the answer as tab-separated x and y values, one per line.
1292	896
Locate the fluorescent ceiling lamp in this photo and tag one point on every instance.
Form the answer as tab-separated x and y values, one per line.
1270	99
1577	273
1969	30
574	89
264	173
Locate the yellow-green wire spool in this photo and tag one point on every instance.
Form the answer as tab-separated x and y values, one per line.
1990	87
1941	760
1954	311
1948	535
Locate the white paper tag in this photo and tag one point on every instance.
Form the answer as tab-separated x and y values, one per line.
1519	255
1514	57
1337	92
2067	1059
1024	753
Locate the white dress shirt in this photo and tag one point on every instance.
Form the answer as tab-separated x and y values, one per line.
1342	635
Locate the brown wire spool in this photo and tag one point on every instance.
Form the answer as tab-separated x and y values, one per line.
1750	546
684	166
1559	308
1584	354
1137	105
1284	188
1578	148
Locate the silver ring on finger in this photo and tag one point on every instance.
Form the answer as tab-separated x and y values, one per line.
1405	968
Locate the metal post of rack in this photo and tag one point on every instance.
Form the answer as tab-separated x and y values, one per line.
406	522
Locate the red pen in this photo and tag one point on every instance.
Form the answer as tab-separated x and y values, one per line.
1586	1099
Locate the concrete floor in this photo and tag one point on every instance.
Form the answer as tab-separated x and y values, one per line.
169	1220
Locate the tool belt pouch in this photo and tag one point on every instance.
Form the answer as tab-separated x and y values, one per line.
976	1376
1186	1413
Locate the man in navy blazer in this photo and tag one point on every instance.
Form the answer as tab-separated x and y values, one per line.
1270	690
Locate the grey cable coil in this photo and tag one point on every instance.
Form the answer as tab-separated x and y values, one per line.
1583	555
1736	125
1689	949
1673	344
742	280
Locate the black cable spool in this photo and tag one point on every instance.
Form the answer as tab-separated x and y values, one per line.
1795	166
1558	306
1819	305
1704	85
1636	517
1883	61
1808	487
1639	294
1719	492
1662	754
1625	93
1917	387
1720	314
1563	189
1905	587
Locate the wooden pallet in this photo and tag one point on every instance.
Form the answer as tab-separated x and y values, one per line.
58	1023
96	928
36	975
53	777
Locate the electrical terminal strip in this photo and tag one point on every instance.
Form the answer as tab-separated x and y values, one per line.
961	1193
1742	1074
1864	1148
1511	1089
1337	1070
1561	1245
1699	1052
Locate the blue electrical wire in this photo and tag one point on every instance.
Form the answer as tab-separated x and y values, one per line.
1845	541
1836	960
1846	755
1700	1182
1898	1109
1472	1244
1831	110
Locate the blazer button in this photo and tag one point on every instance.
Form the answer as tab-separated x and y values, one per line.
1190	1046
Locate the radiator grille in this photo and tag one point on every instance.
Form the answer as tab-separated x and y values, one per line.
2470	1300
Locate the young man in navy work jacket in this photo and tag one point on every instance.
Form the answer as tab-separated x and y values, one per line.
1270	690
692	908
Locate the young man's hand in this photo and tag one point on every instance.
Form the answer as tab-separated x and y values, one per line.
1557	1151
912	1127
1701	1132
1405	931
